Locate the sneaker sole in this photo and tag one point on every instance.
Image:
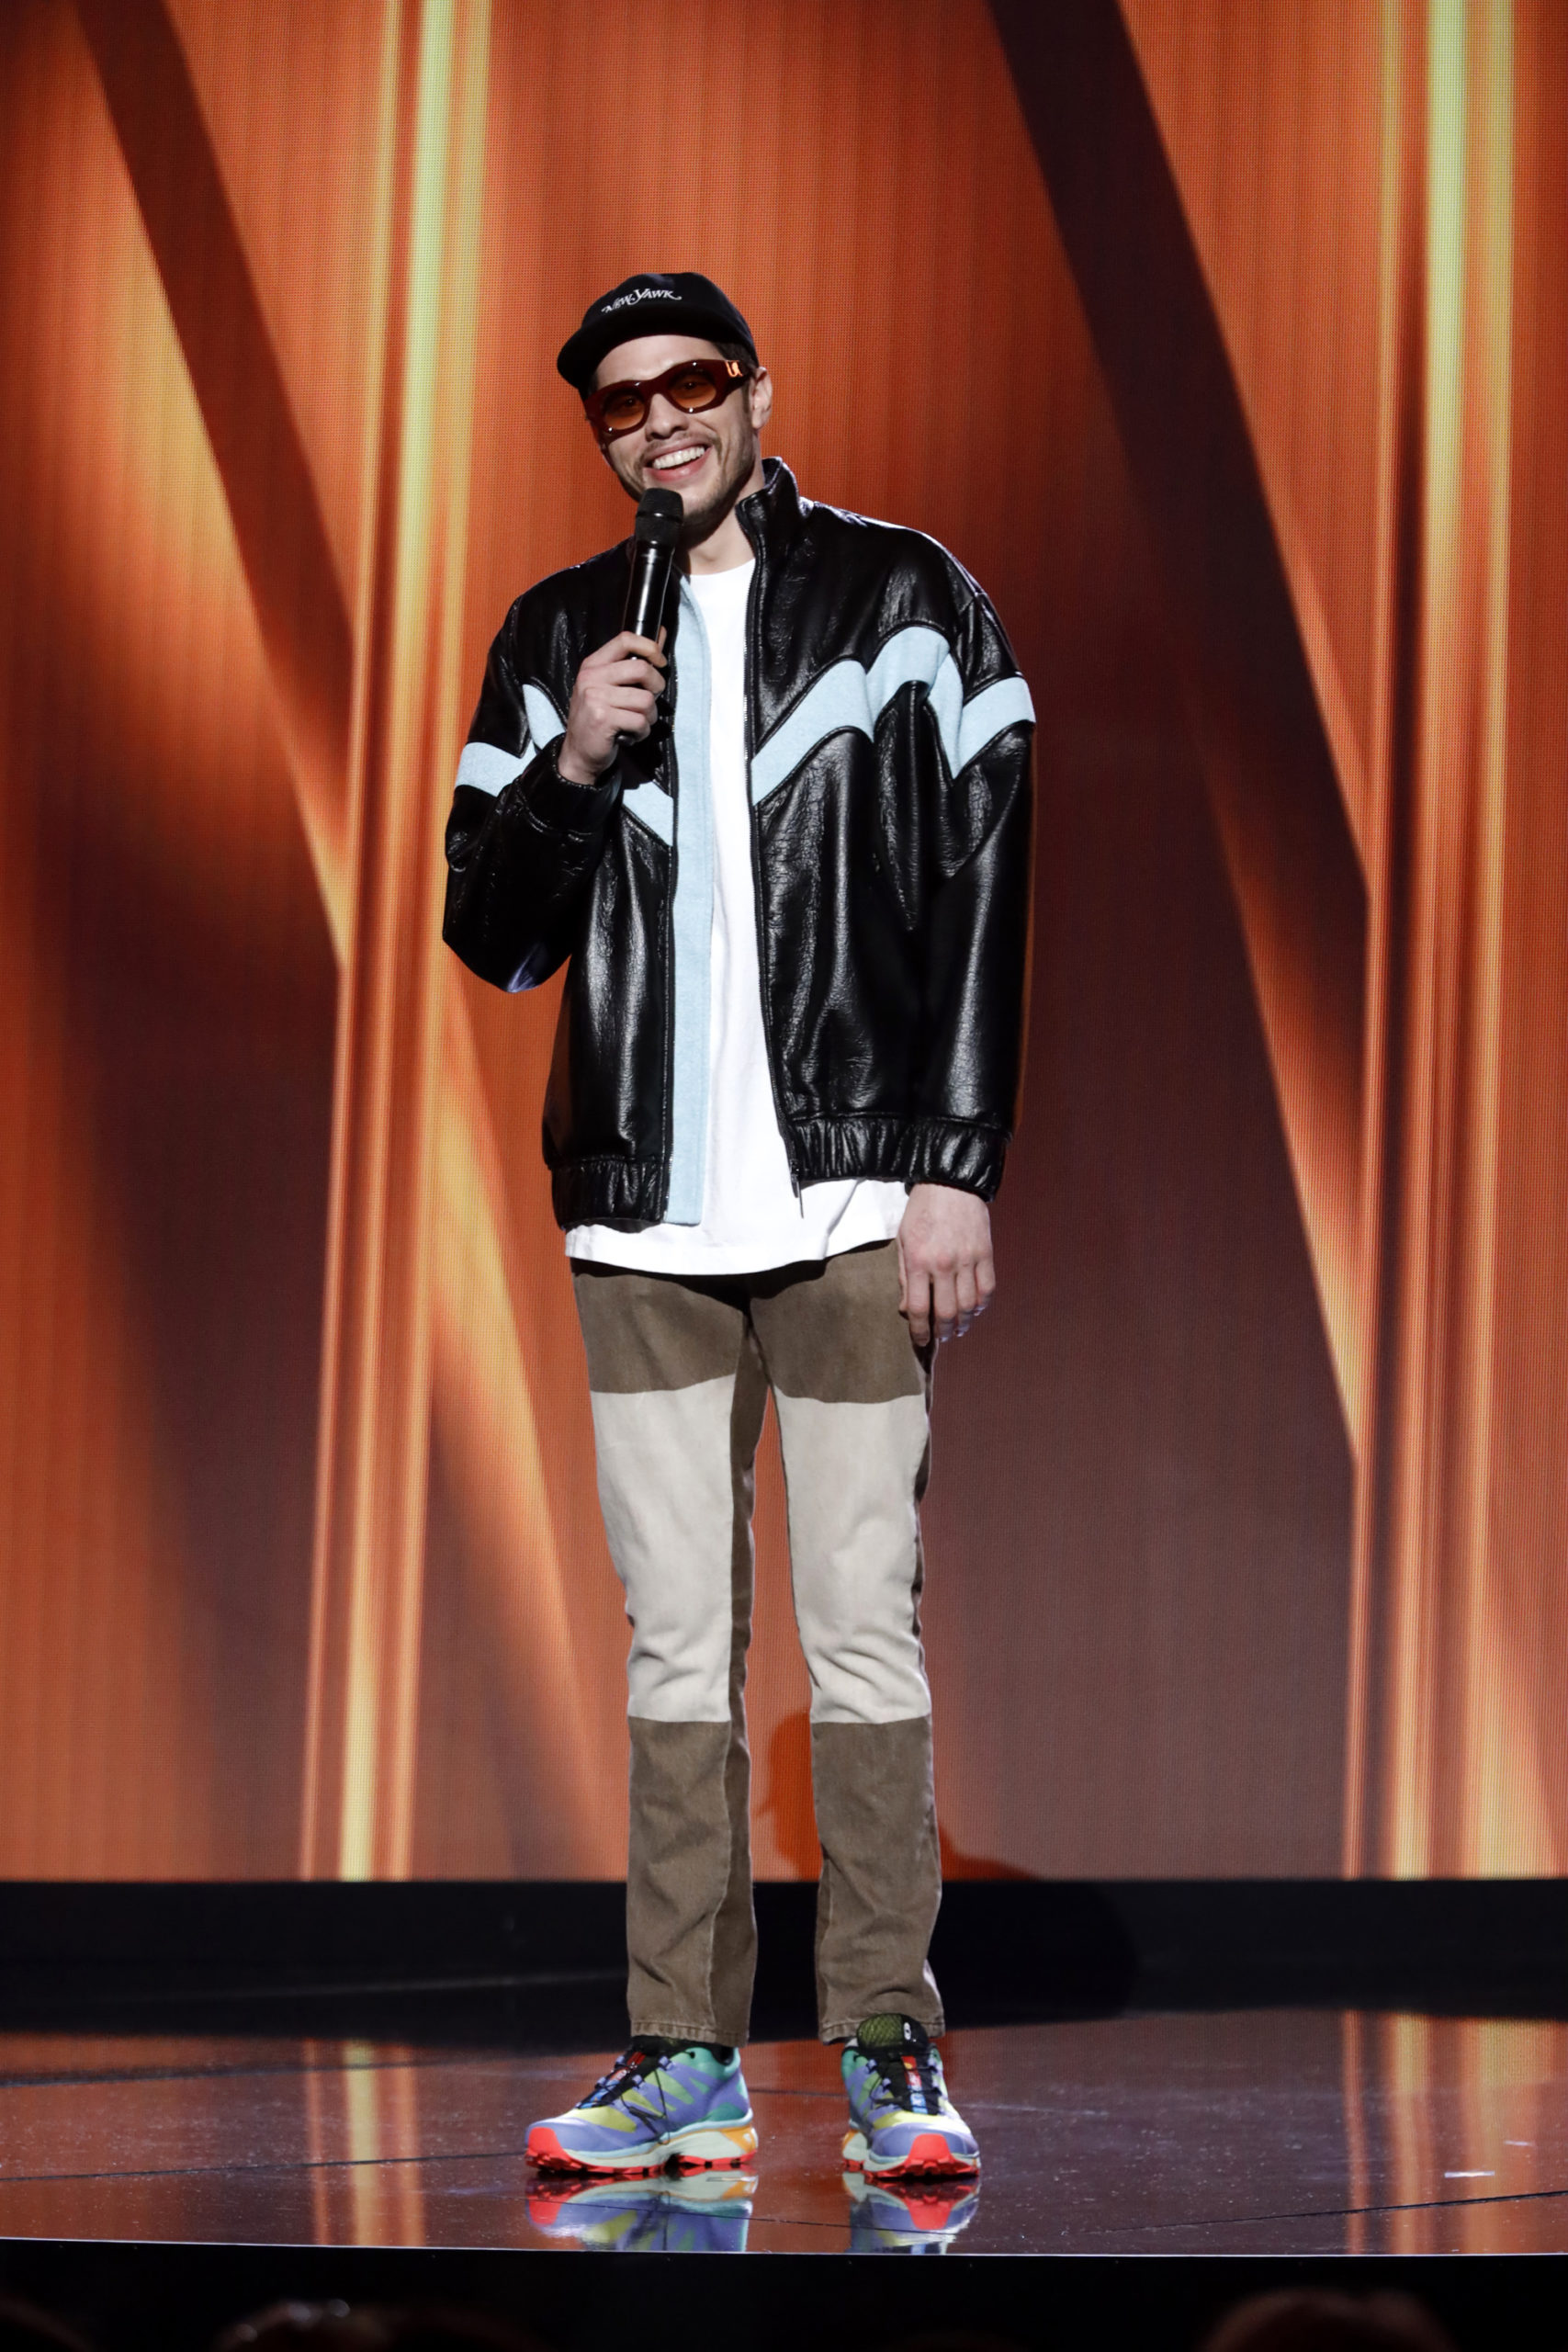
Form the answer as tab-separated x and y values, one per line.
702	2147
929	2157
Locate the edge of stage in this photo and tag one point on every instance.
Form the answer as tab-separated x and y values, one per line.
330	1957
484	1981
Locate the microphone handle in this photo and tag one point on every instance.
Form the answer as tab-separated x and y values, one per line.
647	589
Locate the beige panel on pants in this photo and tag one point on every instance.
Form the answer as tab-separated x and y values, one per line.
666	1490
678	1373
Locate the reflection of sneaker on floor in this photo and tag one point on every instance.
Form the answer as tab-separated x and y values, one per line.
700	2212
657	2105
902	2121
907	2216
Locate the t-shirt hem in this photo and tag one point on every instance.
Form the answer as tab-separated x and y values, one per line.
604	1245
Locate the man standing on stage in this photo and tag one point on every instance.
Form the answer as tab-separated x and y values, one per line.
785	858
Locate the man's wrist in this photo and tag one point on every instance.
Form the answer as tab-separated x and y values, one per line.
568	774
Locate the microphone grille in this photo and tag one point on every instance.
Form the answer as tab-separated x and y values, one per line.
660	514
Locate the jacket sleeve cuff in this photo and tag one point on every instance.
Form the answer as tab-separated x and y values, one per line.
954	1152
563	807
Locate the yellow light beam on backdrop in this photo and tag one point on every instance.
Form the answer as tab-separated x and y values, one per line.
1443	1772
376	1381
308	643
1401	427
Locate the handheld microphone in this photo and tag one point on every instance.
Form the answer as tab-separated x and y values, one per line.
660	514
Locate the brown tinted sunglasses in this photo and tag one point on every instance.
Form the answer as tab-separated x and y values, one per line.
692	386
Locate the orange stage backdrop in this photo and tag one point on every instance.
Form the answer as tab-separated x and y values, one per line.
1228	345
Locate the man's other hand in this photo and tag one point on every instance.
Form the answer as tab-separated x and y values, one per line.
613	695
946	1274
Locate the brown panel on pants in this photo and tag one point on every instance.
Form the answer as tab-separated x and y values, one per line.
679	1371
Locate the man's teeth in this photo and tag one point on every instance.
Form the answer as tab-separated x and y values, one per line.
677	457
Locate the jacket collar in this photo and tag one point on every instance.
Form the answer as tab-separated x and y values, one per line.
771	516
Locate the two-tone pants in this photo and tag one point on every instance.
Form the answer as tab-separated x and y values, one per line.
680	1370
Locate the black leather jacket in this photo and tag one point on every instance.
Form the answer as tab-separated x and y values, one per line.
888	735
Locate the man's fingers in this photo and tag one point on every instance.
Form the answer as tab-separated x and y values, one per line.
626	646
610	704
631	670
956	1292
615	695
944	1303
945	1261
918	1305
984	1278
630	712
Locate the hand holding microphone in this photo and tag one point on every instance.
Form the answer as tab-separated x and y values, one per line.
617	687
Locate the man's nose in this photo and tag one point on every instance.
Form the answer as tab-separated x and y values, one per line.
664	417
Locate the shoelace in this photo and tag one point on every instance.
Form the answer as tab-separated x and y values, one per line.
910	2078
630	2071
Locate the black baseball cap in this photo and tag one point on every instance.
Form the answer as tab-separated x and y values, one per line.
653	302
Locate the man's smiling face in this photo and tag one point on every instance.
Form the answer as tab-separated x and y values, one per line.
712	459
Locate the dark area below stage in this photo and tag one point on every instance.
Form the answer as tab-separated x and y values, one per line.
175	2299
542	1963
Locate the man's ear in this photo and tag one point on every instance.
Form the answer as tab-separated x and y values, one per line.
762	391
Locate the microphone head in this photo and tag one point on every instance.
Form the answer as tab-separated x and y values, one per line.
660	514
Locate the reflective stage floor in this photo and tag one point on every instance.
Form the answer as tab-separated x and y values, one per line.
1263	2133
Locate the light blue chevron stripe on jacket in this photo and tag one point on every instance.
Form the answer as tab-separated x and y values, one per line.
852	694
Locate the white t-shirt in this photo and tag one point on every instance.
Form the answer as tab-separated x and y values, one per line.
751	1217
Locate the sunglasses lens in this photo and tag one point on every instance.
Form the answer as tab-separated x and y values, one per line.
693	390
622	408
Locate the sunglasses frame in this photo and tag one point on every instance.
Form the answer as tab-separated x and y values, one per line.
723	375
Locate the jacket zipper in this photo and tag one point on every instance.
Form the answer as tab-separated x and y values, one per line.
753	601
673	770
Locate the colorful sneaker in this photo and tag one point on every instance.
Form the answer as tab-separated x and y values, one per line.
902	2121
699	2212
908	2217
657	2105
